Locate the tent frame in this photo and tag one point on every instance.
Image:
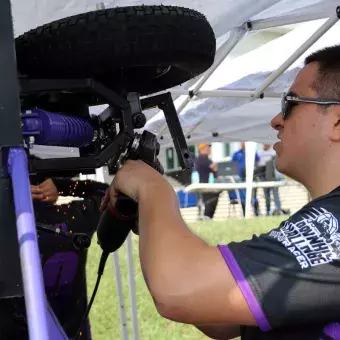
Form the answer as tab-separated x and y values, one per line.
258	93
10	107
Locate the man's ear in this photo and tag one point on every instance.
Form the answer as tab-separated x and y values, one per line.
335	121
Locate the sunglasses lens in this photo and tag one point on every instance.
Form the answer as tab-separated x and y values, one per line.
284	103
286	106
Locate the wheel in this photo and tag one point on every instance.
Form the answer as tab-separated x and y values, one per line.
141	49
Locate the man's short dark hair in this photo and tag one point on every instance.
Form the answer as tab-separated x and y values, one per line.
327	84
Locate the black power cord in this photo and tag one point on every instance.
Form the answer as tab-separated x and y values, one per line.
113	228
101	267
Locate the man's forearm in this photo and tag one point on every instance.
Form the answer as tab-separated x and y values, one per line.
183	273
167	246
220	332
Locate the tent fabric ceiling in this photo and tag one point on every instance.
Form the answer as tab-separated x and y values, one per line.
223	15
241	119
298	8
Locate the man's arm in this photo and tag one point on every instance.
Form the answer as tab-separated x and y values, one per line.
188	279
220	332
267	281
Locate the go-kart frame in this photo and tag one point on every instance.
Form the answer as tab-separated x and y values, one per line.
18	236
18	231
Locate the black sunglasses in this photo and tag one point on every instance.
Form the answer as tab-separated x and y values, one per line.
289	100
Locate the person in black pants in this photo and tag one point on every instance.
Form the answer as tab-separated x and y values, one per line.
204	166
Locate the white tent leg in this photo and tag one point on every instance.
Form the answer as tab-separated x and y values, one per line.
132	287
302	49
238	196
250	164
235	36
122	313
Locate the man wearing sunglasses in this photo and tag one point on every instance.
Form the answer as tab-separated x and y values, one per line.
281	285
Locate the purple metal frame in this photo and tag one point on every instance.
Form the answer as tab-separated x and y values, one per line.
42	323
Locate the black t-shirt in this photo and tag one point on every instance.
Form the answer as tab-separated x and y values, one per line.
290	277
202	165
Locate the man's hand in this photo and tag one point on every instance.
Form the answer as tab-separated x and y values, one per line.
45	192
134	178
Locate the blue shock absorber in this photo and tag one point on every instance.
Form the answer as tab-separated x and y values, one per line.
57	129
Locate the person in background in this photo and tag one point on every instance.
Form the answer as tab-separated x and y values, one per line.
266	172
240	157
205	166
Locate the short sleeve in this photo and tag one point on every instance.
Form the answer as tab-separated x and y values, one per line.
291	275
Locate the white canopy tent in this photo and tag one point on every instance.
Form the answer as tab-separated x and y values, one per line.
231	20
231	111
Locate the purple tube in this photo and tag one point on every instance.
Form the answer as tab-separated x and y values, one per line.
32	274
57	129
56	331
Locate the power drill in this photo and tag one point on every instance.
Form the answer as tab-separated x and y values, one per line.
116	223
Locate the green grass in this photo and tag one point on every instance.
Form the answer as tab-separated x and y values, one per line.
104	315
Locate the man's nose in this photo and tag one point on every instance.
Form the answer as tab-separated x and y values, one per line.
277	122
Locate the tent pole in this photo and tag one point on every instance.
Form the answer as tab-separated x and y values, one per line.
244	13
235	36
119	286
303	48
236	94
232	94
262	24
228	93
183	89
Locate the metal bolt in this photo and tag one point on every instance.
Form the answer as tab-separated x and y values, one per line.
31	142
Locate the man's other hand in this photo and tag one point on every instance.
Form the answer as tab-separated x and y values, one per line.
45	192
